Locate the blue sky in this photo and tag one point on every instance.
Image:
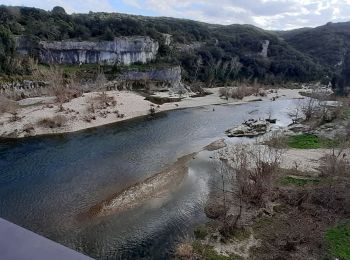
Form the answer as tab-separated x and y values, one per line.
268	14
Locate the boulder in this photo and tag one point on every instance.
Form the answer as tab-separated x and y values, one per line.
299	128
271	121
250	128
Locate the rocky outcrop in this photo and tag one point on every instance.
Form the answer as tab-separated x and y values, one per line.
122	51
170	75
24	89
166	78
156	79
167	39
265	47
250	128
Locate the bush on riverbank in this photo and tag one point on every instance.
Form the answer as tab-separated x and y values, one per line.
309	141
242	91
54	122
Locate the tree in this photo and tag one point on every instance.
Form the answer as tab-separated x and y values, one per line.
246	175
108	35
58	10
7	49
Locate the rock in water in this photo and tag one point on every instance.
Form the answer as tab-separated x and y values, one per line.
250	128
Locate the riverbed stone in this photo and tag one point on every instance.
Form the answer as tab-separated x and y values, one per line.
250	128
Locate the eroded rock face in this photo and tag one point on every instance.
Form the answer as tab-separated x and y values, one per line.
24	89
171	75
265	47
123	51
155	79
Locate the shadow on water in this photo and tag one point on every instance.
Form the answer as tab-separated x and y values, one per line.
46	182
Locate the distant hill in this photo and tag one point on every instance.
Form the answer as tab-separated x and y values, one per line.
207	52
328	44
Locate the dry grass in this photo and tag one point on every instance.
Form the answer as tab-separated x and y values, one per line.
337	162
8	106
247	174
62	88
244	91
89	117
101	101
241	92
254	168
184	251
65	94
277	140
28	128
54	122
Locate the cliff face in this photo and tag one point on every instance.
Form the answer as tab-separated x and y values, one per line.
122	51
169	78
169	75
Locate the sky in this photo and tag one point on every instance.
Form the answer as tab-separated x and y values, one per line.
267	14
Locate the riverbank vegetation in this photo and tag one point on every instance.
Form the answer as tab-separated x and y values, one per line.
309	141
338	240
283	209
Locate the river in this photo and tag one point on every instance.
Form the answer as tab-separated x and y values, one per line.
46	182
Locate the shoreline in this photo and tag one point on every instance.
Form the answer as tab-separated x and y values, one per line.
132	105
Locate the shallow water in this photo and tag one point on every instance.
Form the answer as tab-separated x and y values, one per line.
46	182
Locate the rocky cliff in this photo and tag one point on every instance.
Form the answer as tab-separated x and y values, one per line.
170	75
168	78
122	51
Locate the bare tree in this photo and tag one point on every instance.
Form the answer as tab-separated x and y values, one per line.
246	178
198	65
309	108
337	162
236	66
253	167
100	81
296	113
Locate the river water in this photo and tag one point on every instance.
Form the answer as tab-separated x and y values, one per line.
46	182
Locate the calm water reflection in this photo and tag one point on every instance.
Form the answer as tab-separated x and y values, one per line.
46	182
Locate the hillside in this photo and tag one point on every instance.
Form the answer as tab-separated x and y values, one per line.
209	53
328	44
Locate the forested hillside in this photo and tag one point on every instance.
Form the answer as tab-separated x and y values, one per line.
214	54
328	44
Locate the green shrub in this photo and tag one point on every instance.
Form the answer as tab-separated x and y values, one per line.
309	141
207	252
288	180
200	232
338	241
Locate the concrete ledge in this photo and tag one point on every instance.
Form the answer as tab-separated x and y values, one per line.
17	243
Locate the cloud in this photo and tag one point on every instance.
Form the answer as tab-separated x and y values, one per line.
71	6
268	14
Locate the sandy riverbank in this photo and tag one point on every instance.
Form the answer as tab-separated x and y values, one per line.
129	104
